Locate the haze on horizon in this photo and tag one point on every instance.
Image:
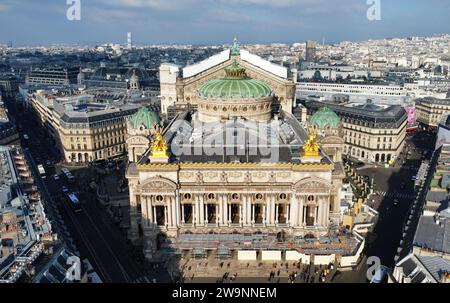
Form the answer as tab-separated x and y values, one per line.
44	22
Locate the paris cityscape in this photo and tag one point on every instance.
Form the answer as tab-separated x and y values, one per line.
148	141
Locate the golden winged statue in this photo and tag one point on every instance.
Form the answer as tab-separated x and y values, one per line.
311	147
159	146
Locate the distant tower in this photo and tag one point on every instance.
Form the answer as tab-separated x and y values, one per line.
134	81
129	41
80	77
310	55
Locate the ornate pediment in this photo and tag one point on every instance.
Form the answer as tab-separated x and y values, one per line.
138	140
313	186
158	185
332	140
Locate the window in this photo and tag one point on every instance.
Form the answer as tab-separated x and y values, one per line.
159	198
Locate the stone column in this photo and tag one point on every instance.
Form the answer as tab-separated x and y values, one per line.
218	211
253	214
202	210
272	209
225	209
221	210
277	207
196	209
168	211
229	212
319	211
206	213
243	209
269	209
249	210
293	211
153	211
305	210
264	212
177	209
149	202
174	212
288	213
182	213
316	214
166	217
144	212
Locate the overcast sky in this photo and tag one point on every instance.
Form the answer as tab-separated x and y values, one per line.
43	22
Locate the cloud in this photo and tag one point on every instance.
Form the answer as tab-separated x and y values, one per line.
4	7
272	3
163	5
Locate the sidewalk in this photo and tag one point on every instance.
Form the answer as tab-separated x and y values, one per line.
211	271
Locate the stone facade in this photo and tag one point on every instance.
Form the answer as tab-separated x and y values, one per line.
180	198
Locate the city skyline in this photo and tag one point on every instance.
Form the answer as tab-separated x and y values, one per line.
214	22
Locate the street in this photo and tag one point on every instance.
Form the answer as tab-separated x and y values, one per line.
394	195
95	234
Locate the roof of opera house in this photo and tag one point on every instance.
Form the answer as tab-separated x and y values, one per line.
281	142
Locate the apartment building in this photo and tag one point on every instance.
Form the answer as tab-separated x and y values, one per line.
430	110
372	133
84	131
356	92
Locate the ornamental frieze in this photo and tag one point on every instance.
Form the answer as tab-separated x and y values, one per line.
284	174
235	174
186	175
211	175
260	175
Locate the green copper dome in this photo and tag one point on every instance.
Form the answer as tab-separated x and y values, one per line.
236	84
145	117
324	117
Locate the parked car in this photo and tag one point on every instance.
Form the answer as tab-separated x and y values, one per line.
56	177
65	189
